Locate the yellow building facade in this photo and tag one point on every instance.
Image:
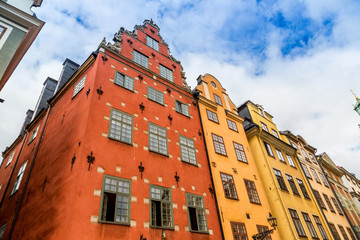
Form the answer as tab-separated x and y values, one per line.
337	221
288	192
241	199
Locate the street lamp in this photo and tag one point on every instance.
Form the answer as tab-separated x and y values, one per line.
273	223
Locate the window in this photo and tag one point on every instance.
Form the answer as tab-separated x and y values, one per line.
232	125
166	73
319	199
2	32
275	133
315	175
124	81
152	43
320	227
303	188
187	150
212	116
34	133
263	229
290	160
313	159
18	178
120	127
310	225
280	180
261	112
115	199
229	186
10	158
306	171
239	231
196	211
337	206
217	99
155	95
334	231
240	153
264	127
304	154
219	144
157	139
80	85
351	233
343	233
292	184
323	179
251	189
327	200
161	214
141	59
297	223
2	228
268	149
213	84
182	108
280	155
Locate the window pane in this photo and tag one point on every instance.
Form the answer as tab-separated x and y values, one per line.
120	127
141	59
157	139
240	154
166	73
152	43
219	144
80	85
212	116
229	185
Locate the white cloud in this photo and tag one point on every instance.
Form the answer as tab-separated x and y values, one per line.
307	94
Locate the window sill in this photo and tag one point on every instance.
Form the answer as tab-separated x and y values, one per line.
201	232
255	203
225	155
237	199
111	138
183	114
131	90
192	164
114	223
283	162
159	227
162	104
165	155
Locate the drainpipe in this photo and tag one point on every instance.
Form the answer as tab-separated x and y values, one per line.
211	175
13	169
342	208
18	206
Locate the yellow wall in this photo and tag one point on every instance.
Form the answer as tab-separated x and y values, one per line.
230	209
280	201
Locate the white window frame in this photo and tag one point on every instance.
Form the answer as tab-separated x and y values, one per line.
158	139
187	150
182	108
155	95
10	158
290	160
280	155
166	73
152	43
79	86
120	126
34	134
141	59
18	178
126	81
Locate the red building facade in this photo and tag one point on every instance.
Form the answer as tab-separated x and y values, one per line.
118	154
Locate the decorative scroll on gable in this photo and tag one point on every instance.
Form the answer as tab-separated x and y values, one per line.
118	37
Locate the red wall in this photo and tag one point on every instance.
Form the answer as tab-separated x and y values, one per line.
76	126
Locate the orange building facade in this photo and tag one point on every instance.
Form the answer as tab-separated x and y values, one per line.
241	198
118	153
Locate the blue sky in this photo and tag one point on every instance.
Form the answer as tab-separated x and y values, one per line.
299	59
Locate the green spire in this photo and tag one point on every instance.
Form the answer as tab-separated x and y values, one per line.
357	104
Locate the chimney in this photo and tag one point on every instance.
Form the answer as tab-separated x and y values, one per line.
69	69
46	93
29	115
